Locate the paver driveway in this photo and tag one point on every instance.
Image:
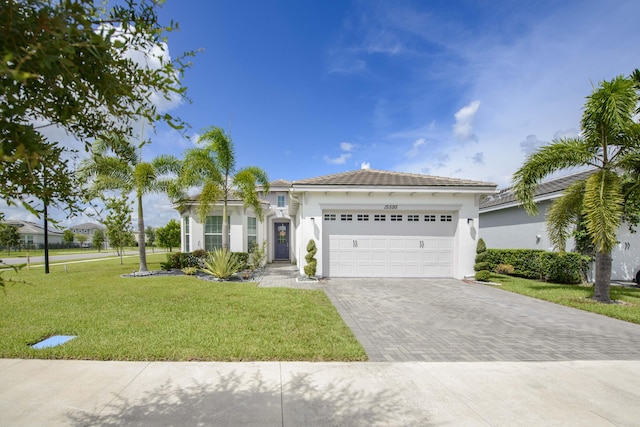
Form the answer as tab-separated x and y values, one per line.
449	320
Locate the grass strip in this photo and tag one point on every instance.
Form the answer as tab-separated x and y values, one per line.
626	306
167	318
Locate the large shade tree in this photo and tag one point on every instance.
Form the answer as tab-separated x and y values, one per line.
609	143
126	171
212	166
67	65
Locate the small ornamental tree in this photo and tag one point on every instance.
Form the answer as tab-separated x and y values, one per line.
482	266
118	223
150	234
68	237
312	263
98	239
169	235
9	236
81	238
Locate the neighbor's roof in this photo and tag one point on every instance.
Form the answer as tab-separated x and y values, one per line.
280	183
545	190
88	226
28	227
372	177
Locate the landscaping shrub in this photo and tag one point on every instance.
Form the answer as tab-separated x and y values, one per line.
504	269
565	268
312	263
222	264
243	259
482	267
258	256
483	276
189	271
199	253
180	260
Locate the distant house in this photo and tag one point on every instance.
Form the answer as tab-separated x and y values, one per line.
365	223
504	224
87	229
32	234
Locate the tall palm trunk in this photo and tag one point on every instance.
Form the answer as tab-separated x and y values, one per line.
225	225
603	277
141	242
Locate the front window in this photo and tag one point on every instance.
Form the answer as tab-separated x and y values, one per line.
252	231
213	233
281	201
186	234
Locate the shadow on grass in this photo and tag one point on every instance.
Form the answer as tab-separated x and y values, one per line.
242	399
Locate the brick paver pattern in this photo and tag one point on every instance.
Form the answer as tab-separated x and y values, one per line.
447	320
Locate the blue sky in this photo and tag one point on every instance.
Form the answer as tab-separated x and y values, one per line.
450	88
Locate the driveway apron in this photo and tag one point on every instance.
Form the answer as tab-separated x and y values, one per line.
400	320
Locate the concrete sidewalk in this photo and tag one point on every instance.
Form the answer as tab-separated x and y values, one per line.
88	393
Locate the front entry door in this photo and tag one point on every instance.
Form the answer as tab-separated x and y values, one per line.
281	243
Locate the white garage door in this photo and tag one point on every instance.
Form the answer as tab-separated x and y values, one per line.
389	245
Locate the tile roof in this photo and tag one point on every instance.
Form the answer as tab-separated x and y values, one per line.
88	226
28	227
372	177
280	183
548	188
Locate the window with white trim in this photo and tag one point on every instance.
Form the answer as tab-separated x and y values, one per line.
252	234
281	201
213	233
186	234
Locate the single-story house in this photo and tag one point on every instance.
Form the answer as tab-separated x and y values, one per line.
365	223
504	224
32	234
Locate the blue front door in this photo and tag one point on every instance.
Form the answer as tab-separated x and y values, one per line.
281	240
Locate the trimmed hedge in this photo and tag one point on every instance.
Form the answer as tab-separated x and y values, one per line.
566	268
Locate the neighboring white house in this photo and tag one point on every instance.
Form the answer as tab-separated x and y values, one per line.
365	223
32	234
504	224
88	229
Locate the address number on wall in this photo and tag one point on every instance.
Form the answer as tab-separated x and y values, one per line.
391	206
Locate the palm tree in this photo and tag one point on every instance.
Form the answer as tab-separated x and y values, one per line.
608	143
213	166
116	164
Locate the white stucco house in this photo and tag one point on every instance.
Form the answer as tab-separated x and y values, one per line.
365	223
504	224
88	229
32	234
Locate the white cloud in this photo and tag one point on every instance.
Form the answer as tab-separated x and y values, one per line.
478	158
365	165
531	144
347	146
340	160
463	128
415	148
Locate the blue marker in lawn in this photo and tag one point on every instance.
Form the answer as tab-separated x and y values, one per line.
53	341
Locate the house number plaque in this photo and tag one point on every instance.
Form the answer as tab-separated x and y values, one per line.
391	206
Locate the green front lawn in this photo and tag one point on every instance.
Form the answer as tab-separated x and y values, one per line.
577	296
167	318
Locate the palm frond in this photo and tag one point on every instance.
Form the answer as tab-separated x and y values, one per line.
602	208
563	213
560	154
